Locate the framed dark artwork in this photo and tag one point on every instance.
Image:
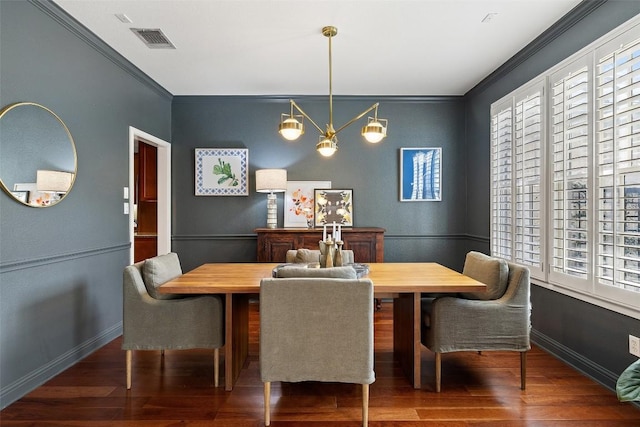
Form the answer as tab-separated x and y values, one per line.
333	205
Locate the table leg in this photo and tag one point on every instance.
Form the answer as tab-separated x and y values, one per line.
406	335
236	347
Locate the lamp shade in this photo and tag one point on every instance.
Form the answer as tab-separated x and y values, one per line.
271	180
53	181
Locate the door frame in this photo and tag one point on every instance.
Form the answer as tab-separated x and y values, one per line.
164	188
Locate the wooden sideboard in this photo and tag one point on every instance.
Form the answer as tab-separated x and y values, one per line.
367	244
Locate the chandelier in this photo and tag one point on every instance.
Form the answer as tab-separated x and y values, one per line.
292	126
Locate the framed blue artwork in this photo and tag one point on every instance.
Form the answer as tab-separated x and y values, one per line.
420	174
222	172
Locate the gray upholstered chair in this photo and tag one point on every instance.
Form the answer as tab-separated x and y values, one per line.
313	255
154	321
316	329
497	320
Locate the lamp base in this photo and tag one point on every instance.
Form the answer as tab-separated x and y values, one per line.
272	211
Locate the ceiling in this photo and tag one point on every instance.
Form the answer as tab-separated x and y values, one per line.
275	47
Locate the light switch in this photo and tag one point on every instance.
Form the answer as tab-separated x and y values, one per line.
125	192
126	208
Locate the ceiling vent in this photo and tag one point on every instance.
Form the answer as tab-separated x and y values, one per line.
154	38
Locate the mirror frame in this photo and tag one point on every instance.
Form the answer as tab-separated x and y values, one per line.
15	105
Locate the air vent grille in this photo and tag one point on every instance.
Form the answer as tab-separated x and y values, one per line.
154	38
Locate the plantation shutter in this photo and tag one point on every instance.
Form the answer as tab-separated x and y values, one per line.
618	167
502	182
571	157
528	175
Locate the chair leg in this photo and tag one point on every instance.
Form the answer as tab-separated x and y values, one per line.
267	403
216	366
365	405
128	357
523	370
438	371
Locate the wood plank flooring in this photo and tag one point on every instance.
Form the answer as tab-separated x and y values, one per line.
477	390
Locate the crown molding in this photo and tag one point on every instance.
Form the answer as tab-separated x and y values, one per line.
279	99
93	41
572	17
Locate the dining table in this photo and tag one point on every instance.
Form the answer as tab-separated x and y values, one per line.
404	282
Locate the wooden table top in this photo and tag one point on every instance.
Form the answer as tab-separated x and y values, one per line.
387	277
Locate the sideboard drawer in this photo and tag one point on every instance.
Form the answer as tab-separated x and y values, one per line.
367	244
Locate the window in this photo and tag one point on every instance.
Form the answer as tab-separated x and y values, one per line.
618	166
502	183
517	137
565	174
528	175
570	143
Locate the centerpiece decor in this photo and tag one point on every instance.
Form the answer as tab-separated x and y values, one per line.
331	247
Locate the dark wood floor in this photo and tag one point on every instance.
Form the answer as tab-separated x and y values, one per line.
478	390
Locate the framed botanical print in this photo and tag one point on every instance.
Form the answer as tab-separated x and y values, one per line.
333	206
420	174
222	172
299	202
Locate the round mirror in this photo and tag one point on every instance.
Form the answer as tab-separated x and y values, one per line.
38	161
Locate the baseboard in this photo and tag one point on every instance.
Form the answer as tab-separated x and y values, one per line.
31	381
575	360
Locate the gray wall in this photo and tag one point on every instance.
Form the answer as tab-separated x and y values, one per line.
222	228
61	267
593	339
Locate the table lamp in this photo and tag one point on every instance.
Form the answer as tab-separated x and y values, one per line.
271	181
48	181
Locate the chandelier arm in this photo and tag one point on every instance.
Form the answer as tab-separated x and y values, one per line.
358	117
293	104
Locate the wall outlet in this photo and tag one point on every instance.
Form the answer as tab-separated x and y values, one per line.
634	345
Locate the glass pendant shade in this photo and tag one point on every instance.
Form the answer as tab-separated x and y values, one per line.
291	129
327	147
374	131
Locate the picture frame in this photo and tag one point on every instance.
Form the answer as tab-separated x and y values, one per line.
333	205
421	174
23	196
35	197
299	202
221	172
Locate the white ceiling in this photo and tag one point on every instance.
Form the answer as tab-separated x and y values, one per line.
275	47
